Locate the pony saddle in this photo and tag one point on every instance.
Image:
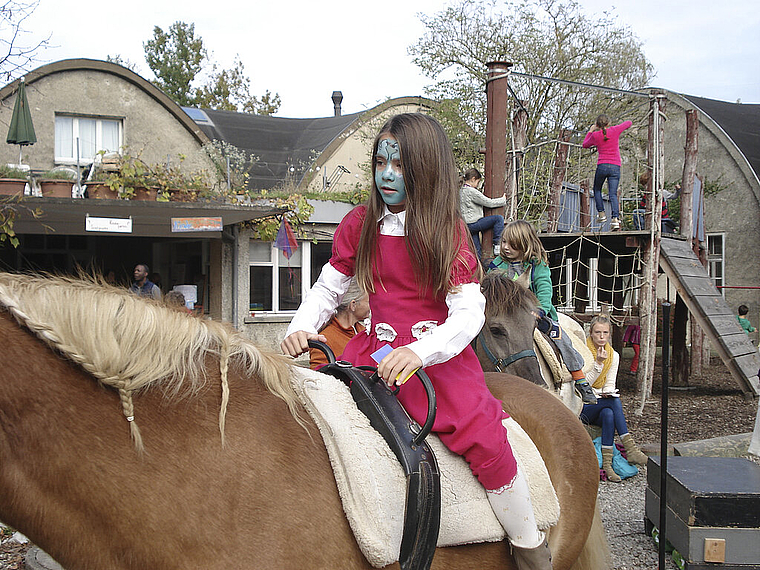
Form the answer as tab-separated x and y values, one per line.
372	484
406	439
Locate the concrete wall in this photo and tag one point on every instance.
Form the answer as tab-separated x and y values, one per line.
734	211
352	148
148	128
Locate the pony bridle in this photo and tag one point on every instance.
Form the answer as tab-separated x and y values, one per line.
500	363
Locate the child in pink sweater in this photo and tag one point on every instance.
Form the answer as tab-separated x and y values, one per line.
605	138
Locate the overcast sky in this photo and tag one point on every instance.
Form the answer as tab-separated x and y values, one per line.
304	50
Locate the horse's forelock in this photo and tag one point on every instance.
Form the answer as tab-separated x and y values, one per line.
505	296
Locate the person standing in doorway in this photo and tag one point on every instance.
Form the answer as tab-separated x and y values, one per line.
141	285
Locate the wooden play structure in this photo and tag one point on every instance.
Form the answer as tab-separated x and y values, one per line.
597	270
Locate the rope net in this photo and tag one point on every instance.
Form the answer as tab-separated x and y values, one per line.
589	277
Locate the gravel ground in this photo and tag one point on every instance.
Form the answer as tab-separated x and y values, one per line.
622	507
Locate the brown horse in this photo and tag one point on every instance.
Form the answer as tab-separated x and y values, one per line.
263	496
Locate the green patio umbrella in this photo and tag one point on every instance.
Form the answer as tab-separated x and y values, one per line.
21	131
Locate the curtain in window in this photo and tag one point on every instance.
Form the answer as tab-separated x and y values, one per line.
110	130
88	143
64	137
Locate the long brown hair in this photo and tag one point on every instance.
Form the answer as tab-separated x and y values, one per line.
603	121
434	229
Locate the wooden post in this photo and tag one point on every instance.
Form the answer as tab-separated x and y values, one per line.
651	258
689	173
691	153
514	163
585	216
681	359
558	176
680	352
496	139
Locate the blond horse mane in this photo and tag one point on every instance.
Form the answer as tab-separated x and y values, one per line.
130	343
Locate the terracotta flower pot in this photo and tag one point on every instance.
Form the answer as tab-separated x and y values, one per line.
145	194
99	190
12	186
183	195
56	188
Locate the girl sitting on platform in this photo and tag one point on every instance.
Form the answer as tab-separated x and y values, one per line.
608	411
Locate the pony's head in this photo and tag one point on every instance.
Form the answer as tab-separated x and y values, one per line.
506	342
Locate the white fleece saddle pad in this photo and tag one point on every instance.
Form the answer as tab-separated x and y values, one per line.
372	484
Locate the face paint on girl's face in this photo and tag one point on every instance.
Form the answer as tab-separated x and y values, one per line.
388	175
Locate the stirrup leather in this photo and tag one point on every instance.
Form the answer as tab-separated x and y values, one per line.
406	439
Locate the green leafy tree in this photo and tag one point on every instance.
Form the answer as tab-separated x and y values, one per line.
122	61
176	58
230	90
549	38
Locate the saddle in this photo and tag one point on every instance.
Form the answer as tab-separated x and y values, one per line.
422	514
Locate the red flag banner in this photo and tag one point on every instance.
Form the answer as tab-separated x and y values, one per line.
286	239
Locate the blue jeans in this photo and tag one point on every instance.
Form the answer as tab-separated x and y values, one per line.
607	413
496	222
571	357
610	173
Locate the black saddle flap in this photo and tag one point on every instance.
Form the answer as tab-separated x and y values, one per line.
423	486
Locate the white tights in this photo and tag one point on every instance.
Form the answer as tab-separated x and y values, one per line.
512	507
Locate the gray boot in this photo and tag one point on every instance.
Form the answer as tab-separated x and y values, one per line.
539	558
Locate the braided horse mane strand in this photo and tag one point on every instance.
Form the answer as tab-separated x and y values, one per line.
130	343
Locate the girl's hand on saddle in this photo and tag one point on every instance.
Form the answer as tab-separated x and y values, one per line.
398	366
601	355
298	342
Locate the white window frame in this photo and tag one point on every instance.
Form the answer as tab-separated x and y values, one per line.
274	262
98	136
712	259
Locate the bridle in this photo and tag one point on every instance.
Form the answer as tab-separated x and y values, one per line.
499	363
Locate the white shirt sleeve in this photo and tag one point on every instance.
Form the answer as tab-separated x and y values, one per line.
463	323
320	302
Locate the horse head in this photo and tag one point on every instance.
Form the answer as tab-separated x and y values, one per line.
505	343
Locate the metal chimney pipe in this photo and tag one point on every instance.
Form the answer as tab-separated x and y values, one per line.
337	98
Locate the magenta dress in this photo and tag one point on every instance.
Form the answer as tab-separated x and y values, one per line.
469	417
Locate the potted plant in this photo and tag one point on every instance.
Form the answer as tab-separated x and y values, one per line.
12	180
57	183
177	186
132	179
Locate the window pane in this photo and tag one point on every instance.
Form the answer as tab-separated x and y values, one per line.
87	142
320	254
110	134
261	288
290	287
715	245
294	261
259	252
64	137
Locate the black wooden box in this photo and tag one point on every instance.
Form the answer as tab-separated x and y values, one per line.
713	510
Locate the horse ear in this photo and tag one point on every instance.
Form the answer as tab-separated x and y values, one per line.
524	280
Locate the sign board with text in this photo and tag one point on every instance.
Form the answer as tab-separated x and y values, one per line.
117	225
197	225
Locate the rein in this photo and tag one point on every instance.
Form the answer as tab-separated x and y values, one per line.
500	363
